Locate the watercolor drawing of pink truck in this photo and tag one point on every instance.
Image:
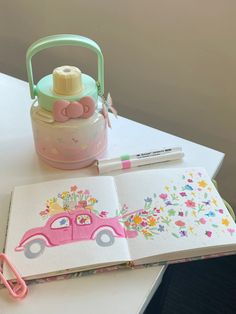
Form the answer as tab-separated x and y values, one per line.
71	226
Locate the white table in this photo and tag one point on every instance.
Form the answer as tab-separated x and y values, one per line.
126	291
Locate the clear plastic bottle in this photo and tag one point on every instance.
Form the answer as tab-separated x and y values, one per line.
69	128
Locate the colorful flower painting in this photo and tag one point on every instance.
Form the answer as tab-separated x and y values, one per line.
188	208
71	200
183	210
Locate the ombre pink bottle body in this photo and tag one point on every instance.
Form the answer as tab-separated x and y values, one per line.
73	144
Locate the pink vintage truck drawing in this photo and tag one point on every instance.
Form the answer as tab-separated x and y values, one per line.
71	226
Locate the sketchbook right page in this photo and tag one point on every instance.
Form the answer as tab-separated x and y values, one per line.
171	211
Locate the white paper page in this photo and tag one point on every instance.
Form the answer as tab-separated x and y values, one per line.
68	235
176	209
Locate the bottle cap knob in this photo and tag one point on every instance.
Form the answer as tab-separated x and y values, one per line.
67	80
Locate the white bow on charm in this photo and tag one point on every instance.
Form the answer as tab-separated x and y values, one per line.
107	105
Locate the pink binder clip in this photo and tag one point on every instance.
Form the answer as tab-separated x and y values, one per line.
17	288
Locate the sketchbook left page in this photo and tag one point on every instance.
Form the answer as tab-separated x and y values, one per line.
63	226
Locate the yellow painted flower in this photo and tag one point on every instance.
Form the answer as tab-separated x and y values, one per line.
64	194
92	200
167	188
194	213
137	219
209	189
152	221
161	209
50	202
225	221
202	184
214	201
193	193
190	174
55	208
190	229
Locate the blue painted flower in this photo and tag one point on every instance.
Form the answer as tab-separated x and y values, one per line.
161	228
188	187
210	214
63	221
148	199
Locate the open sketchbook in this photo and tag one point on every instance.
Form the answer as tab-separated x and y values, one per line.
151	216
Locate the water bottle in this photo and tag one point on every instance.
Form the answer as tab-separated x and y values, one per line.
68	118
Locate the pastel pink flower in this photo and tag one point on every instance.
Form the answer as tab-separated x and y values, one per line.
163	196
180	223
73	188
202	221
231	231
190	204
183	194
82	203
44	212
143	224
127	223
103	213
208	233
221	211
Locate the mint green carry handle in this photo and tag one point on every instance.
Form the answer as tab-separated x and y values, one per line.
63	40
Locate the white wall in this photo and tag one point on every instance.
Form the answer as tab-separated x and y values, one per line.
169	64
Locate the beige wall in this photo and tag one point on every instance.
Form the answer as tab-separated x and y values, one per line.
170	64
